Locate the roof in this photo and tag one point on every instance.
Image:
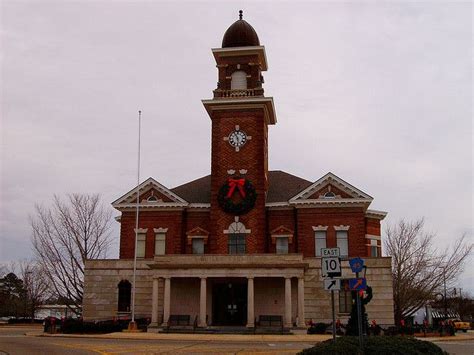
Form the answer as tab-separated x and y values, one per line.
240	34
282	187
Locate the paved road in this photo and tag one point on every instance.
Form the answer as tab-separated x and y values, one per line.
13	341
457	347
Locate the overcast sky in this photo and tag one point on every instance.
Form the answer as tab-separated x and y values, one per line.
378	93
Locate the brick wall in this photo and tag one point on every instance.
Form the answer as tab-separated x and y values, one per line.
196	219
277	218
252	157
150	220
351	216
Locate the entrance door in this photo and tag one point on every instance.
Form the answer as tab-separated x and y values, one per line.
229	303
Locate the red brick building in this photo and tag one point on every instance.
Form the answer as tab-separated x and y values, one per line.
243	242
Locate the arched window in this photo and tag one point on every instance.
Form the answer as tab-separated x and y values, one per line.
329	194
236	237
238	80
124	296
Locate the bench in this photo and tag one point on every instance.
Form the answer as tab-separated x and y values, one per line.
179	319
270	321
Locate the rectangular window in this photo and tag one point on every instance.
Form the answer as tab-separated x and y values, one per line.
319	242
141	240
374	251
345	301
198	246
341	237
160	243
237	243
282	245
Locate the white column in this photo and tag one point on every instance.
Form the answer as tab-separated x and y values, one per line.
154	303
166	301
301	322
202	303
250	303
288	302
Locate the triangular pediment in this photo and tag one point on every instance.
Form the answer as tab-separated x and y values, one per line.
151	192
197	231
331	187
281	230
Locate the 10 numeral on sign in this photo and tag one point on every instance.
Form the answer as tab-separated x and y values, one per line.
331	267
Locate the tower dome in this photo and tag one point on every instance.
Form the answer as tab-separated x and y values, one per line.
240	34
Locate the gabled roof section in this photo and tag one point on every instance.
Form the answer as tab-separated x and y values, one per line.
333	180
283	186
196	191
150	183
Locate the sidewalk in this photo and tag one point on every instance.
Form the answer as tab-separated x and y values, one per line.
306	338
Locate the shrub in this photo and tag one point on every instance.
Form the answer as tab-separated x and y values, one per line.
71	325
375	345
318	328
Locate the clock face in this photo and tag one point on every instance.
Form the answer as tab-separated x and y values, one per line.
237	138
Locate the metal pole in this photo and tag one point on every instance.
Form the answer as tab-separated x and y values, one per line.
136	219
359	318
333	317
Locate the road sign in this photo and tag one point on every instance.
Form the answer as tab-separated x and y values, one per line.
354	284
331	267
329	252
356	264
358	284
332	284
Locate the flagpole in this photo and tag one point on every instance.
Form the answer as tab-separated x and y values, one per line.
132	325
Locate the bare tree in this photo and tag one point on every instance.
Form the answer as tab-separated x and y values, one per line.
419	269
36	285
64	236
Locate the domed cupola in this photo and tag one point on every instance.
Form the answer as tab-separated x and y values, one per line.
240	34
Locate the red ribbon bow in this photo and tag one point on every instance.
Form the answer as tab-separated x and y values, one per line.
233	183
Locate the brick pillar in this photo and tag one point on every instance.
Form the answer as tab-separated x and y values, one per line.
287	302
250	303
202	303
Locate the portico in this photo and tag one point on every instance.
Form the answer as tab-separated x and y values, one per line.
272	286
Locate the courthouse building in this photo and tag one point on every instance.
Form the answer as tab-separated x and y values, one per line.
243	242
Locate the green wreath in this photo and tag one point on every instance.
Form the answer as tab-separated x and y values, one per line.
240	186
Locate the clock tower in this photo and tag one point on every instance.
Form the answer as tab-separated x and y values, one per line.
240	115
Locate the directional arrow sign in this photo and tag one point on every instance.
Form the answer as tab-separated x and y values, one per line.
358	284
332	284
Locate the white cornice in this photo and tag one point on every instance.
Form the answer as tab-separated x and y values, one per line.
375	214
277	204
266	103
239	51
330	203
199	205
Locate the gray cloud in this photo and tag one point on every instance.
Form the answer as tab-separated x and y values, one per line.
378	93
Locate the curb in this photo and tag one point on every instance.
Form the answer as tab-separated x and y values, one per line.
191	337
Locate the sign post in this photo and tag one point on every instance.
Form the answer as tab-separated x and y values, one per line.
357	264
331	267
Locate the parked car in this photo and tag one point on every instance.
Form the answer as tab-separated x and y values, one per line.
460	325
